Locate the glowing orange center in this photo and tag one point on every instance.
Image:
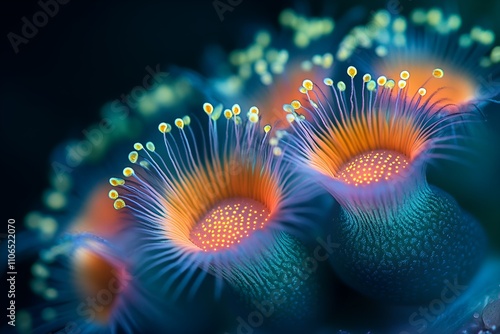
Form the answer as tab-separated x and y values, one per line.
229	222
97	278
375	166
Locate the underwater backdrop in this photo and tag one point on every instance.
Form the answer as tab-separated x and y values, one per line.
230	166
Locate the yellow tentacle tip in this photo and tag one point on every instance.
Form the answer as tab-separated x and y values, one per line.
119	204
422	91
307	84
114	181
401	84
208	108
328	81
138	146
381	81
352	71
236	109
228	113
133	156
254	110
295	104
164	127
127	172
267	128
179	123
302	90
113	194
367	77
438	73
404	75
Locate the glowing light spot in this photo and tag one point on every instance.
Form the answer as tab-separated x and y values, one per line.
119	204
253	118
328	81
132	157
116	182
307	84
179	123
352	71
372	166
93	274
127	172
254	110
236	109
438	73
113	194
164	127
295	104
381	81
404	75
229	222
208	108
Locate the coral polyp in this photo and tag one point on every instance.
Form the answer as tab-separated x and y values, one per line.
219	207
330	171
400	238
89	288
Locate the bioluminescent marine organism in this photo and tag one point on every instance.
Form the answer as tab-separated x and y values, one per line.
389	44
400	238
77	201
89	288
225	206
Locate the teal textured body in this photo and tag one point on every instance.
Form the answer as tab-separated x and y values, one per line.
410	252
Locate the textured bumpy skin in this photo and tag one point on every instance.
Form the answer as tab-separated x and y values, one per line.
410	256
282	284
